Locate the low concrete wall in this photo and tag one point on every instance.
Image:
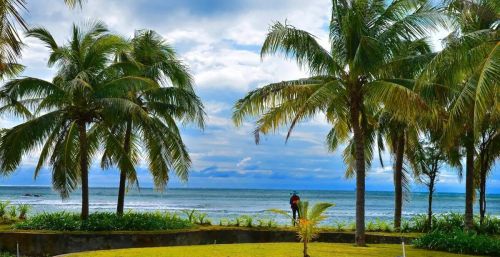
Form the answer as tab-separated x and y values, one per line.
49	244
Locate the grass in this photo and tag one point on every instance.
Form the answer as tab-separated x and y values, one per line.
268	249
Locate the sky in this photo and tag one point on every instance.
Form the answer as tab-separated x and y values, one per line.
220	41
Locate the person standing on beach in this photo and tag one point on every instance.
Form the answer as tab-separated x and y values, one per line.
294	204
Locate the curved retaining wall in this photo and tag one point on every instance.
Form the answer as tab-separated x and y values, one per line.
49	244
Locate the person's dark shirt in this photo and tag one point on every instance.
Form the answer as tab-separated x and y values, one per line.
294	200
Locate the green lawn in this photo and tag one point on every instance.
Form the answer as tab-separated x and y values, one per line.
267	250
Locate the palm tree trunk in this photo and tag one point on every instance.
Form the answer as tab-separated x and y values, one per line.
123	173
429	209
305	248
482	196
84	169
398	181
469	181
359	146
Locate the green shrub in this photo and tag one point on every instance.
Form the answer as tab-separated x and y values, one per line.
3	208
13	212
201	219
459	242
5	254
104	221
340	225
190	215
449	222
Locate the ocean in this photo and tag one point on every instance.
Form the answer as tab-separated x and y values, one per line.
231	203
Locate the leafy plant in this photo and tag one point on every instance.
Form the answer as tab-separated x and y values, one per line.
246	221
103	221
340	225
3	208
191	215
23	210
201	219
13	212
460	242
309	218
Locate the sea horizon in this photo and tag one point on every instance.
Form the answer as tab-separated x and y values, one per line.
230	203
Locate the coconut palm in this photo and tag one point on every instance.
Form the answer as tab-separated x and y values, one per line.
309	219
10	41
488	150
71	112
469	66
11	20
153	58
401	135
74	3
349	80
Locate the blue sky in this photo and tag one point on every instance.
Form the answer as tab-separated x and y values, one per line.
220	41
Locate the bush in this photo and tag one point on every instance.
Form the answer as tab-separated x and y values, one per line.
449	222
3	208
459	242
104	221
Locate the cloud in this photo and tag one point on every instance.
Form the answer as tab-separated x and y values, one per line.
220	41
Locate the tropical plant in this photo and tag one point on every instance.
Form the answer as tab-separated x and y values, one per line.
459	241
11	20
23	210
349	81
400	135
309	219
427	159
10	41
104	221
3	208
155	129
73	112
468	69
488	150
13	212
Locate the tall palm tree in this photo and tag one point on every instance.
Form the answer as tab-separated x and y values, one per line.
349	80
488	151
469	66
71	111
154	59
401	135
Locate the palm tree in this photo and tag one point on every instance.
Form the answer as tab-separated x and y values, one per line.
154	59
309	219
71	111
74	3
11	44
469	66
488	150
401	135
348	81
10	41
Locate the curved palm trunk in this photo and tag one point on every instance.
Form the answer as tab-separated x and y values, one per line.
469	181
84	169
398	181
123	173
356	101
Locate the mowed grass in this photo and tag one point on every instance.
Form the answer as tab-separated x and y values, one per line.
267	250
